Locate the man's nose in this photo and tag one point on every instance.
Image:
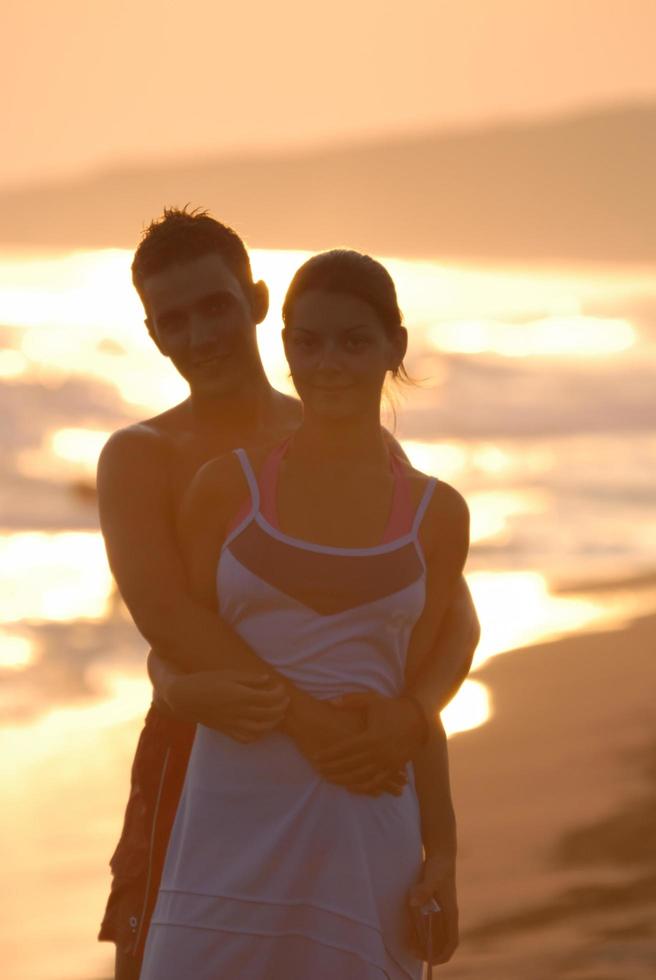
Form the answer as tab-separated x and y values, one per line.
202	333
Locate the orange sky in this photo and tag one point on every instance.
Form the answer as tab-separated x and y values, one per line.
92	82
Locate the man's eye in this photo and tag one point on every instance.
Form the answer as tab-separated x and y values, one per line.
171	322
218	304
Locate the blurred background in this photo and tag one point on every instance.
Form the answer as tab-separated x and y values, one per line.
500	157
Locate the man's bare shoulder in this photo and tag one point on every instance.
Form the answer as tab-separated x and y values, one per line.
133	447
147	442
133	480
218	488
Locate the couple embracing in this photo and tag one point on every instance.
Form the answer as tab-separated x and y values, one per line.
301	587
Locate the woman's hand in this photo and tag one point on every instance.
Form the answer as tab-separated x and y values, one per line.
241	705
438	880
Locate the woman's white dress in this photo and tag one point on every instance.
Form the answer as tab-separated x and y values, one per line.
271	871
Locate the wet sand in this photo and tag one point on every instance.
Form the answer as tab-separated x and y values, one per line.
556	801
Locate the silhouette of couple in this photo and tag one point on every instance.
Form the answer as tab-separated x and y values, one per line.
300	585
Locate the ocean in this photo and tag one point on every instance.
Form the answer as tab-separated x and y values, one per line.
533	393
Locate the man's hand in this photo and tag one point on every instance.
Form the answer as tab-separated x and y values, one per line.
241	705
363	762
325	726
438	880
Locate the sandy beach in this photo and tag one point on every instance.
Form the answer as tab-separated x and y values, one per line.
556	800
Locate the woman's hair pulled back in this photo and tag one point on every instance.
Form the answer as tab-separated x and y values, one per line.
343	270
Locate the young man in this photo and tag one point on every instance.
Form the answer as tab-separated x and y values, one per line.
202	307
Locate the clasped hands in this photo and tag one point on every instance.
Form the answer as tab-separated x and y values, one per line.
371	757
361	741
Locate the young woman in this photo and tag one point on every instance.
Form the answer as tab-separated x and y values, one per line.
335	561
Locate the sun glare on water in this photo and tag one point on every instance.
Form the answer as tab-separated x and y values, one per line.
12	364
74	289
53	576
516	609
16	651
470	708
572	336
81	447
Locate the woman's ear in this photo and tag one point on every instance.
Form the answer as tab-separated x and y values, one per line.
259	300
399	348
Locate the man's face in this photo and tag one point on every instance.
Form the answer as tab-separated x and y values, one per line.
200	316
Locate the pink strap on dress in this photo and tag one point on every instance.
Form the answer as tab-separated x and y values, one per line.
401	515
268	482
399	522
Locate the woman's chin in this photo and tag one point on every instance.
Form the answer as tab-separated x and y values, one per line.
335	409
333	403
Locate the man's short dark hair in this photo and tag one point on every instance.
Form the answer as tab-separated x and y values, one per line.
181	234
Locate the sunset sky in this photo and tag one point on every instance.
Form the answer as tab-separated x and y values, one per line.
89	83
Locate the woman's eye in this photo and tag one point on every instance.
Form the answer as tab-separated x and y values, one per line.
304	341
356	343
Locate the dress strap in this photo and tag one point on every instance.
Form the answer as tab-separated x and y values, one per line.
246	513
400	518
242	456
268	482
423	505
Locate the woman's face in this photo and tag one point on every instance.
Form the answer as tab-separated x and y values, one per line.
339	353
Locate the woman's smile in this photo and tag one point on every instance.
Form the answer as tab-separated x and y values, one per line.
337	346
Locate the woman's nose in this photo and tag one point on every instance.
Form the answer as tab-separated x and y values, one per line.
329	357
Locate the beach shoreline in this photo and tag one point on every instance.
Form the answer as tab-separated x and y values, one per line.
556	802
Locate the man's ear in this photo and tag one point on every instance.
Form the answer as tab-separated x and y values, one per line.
259	301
